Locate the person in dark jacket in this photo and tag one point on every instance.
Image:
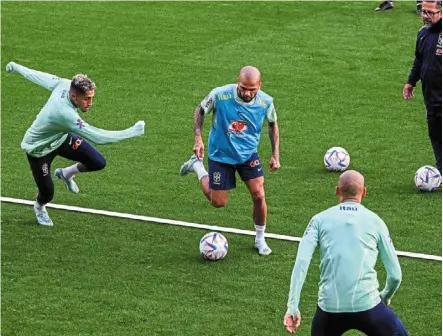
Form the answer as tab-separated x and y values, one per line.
427	69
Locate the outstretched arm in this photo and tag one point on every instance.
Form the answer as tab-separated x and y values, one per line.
43	79
100	136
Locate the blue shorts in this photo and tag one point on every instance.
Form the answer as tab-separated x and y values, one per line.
222	175
378	321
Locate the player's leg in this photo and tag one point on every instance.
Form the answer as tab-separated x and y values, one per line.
216	184
88	159
329	324
434	130
41	170
385	5
251	172
381	321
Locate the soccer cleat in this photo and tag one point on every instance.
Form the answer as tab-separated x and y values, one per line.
263	248
42	217
385	5
186	167
70	184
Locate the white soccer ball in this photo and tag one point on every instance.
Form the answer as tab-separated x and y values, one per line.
337	159
427	178
213	246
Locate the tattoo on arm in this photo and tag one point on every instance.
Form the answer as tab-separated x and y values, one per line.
199	117
274	137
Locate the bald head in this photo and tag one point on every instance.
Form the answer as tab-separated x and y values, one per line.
351	184
249	74
249	82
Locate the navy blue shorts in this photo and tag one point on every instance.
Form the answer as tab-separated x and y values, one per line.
378	321
222	175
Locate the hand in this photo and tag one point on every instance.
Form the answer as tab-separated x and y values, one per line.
386	302
140	126
291	323
274	163
408	91
10	67
199	148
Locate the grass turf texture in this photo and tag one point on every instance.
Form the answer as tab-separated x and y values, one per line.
336	72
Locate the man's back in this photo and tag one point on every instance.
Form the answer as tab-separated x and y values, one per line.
348	235
47	131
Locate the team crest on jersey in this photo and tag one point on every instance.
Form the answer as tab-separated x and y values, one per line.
438	51
238	126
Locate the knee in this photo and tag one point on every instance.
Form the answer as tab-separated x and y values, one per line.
219	203
258	196
98	164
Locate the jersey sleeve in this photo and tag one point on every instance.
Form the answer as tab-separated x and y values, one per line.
390	262
75	124
271	114
43	79
208	104
304	255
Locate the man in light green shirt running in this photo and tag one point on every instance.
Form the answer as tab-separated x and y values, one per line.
59	130
350	238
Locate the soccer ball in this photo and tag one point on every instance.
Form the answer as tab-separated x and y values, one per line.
427	178
213	246
336	159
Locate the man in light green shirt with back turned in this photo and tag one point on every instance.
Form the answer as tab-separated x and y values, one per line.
350	238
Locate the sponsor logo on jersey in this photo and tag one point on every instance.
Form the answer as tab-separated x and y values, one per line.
438	51
238	126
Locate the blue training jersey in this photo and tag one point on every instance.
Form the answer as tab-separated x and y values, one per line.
236	125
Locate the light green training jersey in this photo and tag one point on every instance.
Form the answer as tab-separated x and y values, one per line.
59	116
350	238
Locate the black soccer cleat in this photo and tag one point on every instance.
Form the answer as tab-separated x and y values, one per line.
385	5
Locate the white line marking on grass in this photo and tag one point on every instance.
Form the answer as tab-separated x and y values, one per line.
186	224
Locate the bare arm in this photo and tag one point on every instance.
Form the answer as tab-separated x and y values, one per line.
199	117
274	136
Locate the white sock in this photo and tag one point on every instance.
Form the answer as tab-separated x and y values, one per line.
69	172
260	233
199	169
39	206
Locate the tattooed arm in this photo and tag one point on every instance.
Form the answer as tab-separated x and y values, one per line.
274	136
199	117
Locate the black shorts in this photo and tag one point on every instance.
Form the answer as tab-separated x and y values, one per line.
222	175
378	321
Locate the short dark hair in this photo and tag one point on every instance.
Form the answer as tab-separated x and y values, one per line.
438	2
82	84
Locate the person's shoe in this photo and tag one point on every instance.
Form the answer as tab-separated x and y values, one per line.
418	9
42	217
70	184
385	5
186	167
263	248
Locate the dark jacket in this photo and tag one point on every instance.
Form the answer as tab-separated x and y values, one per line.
427	64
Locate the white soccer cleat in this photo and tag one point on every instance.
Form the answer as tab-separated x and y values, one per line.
70	184
42	217
186	167
263	248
